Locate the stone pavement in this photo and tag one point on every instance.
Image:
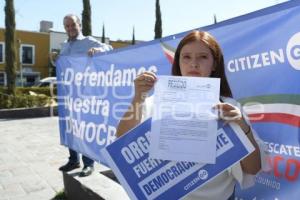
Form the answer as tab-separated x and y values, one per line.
30	155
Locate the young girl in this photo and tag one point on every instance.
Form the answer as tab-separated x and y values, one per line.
199	55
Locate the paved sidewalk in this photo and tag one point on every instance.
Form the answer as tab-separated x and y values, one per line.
30	154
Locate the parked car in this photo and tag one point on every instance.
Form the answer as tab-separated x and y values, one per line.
47	82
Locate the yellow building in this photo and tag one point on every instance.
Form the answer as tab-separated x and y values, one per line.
33	61
32	57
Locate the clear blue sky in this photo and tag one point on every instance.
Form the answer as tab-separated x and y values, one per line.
119	16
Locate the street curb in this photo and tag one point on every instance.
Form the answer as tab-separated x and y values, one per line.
75	190
97	186
21	113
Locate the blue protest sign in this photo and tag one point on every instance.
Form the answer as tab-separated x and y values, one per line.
261	52
146	178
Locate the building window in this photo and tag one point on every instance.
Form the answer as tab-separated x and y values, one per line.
2	49
2	79
27	79
27	54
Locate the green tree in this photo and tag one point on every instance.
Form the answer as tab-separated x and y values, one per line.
10	47
133	37
215	19
86	18
158	23
103	34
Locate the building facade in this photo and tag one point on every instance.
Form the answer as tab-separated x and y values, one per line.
32	57
33	49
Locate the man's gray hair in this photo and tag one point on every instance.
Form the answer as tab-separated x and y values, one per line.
70	16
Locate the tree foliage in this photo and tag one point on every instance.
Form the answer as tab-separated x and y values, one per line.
215	19
133	37
86	18
158	23
10	46
103	34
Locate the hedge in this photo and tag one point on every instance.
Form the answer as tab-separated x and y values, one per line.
24	100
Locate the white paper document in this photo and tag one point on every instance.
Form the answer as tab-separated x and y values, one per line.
184	125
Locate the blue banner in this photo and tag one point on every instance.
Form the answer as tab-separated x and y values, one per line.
146	178
262	60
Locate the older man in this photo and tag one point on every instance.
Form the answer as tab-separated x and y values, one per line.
75	45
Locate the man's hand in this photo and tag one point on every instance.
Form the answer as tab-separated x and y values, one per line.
92	51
